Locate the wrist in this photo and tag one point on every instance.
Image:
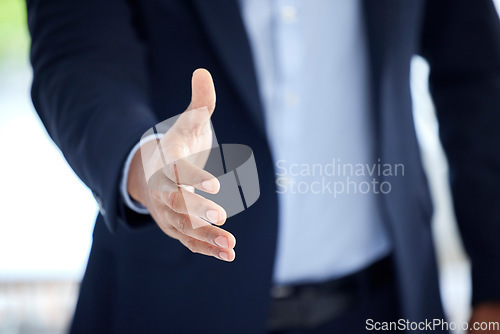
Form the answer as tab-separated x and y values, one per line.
136	181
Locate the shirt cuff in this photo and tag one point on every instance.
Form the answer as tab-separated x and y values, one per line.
129	202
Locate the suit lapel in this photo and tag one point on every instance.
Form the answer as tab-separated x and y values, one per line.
224	26
385	22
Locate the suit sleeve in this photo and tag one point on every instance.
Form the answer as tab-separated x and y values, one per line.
90	88
461	41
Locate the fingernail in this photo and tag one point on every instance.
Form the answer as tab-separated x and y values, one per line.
208	185
213	216
224	256
222	241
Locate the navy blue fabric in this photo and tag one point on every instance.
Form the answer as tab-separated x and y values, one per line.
106	71
380	305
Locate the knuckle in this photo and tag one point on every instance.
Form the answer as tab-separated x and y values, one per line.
181	225
191	245
170	169
210	250
173	199
198	130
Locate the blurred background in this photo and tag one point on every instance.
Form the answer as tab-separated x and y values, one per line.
47	213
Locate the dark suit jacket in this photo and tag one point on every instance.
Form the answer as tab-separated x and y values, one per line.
106	71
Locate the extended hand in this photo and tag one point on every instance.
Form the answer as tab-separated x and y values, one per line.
162	173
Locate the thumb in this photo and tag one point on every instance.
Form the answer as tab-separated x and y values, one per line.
202	91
